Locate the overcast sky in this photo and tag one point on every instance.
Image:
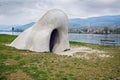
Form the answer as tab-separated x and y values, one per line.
25	11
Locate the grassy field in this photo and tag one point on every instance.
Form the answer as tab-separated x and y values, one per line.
27	65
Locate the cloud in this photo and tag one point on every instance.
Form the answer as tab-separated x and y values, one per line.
24	11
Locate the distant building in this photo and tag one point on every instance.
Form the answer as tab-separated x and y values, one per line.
90	30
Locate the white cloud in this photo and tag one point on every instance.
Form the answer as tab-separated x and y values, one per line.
24	11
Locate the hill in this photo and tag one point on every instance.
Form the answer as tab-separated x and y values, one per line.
23	27
92	22
16	27
95	22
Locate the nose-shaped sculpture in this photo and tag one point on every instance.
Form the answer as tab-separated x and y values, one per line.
49	34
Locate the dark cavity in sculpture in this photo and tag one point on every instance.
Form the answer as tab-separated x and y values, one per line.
53	39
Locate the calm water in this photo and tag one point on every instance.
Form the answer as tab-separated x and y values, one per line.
88	38
94	38
14	33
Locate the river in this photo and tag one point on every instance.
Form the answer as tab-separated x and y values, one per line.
94	38
87	38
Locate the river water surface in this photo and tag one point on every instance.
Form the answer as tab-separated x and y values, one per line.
87	38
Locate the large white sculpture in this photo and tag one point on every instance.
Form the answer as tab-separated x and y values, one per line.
49	34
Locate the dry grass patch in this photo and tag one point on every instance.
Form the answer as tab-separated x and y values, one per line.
10	62
18	75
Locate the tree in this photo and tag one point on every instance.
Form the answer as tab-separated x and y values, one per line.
116	31
106	29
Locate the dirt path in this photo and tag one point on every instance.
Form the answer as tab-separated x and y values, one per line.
84	52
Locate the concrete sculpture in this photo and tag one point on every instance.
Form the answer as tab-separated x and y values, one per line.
49	34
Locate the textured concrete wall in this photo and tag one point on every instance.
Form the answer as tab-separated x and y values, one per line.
49	34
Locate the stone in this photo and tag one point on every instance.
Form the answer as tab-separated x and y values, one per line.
49	34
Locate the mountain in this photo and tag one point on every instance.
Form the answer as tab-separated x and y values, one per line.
95	22
92	22
16	27
23	27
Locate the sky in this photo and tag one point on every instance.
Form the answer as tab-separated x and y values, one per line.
25	11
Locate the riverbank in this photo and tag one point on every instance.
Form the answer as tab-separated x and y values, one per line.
27	65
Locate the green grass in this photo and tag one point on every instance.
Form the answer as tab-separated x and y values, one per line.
46	66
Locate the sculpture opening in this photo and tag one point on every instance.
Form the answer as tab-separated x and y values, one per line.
53	39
